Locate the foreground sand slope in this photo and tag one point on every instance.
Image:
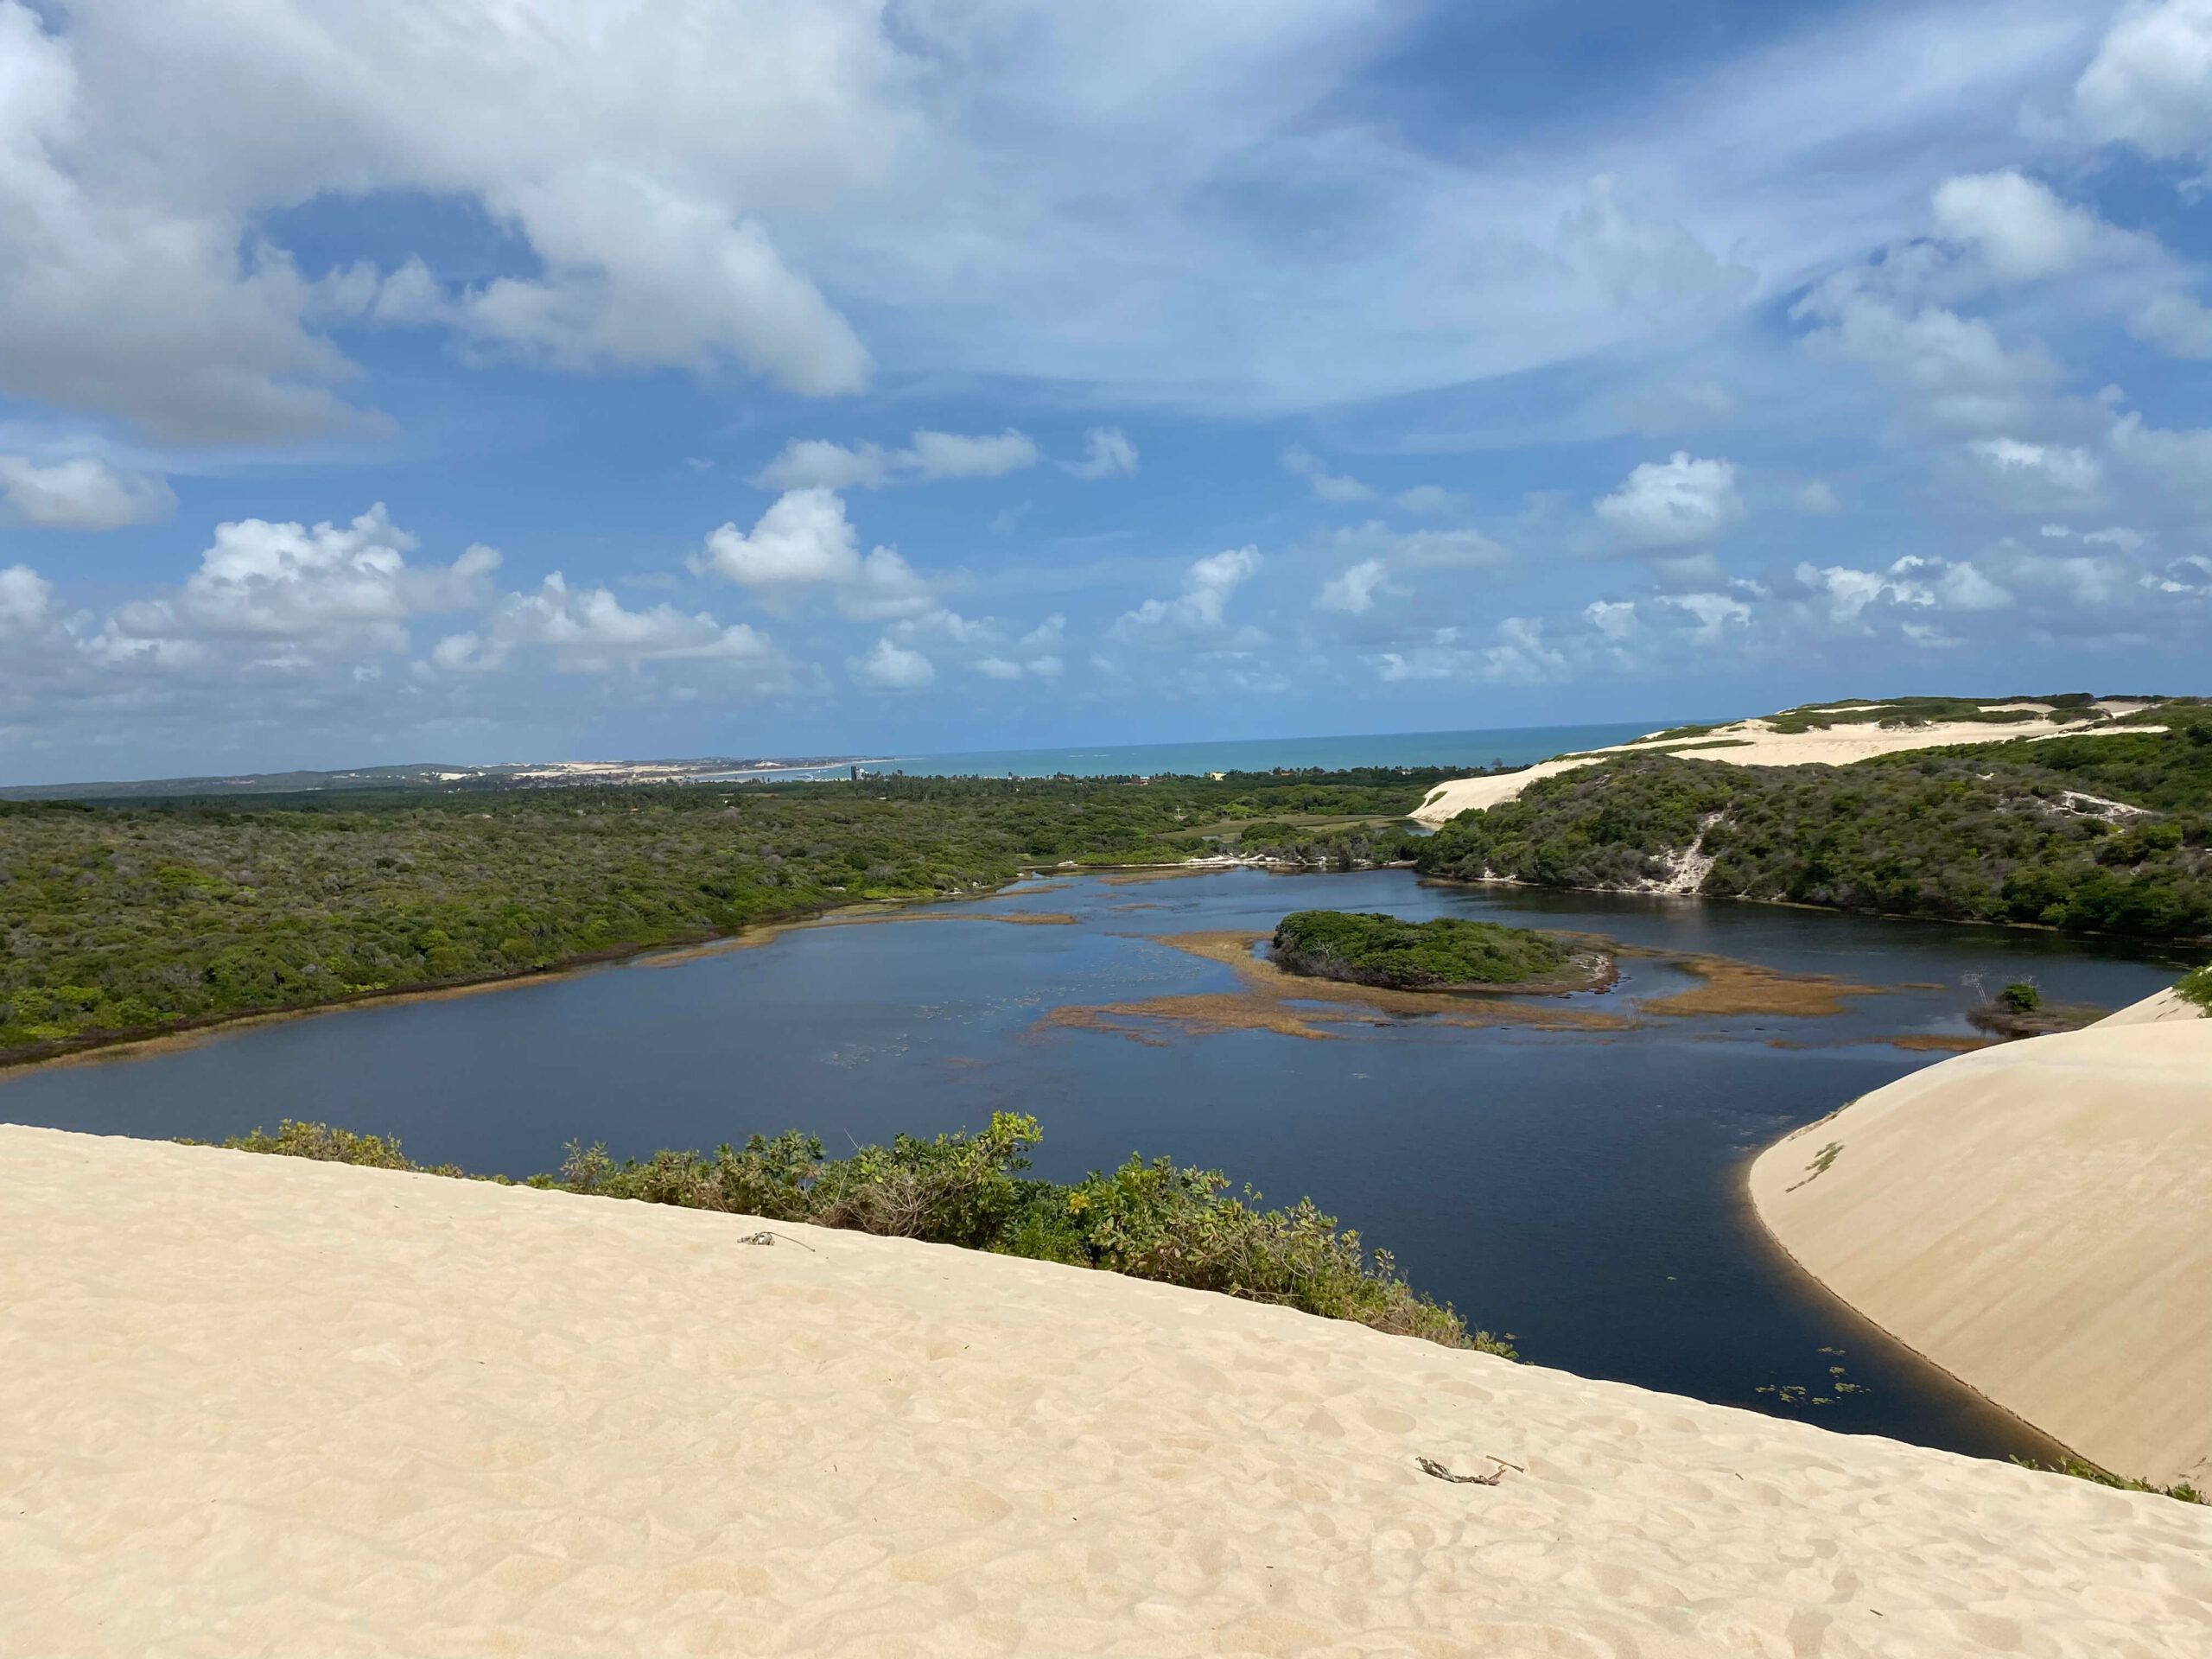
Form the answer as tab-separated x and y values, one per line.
1756	743
2037	1219
259	1406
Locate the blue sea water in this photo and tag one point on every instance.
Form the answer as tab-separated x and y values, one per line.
1514	745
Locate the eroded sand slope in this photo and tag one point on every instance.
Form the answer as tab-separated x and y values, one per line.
2037	1218
254	1404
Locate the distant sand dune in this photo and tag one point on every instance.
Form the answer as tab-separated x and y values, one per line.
2037	1218
253	1405
1756	743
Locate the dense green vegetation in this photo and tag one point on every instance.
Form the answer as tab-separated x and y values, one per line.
1369	949
1927	711
2109	834
133	917
1155	1221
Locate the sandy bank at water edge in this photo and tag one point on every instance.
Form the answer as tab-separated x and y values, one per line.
2036	1218
1756	743
260	1405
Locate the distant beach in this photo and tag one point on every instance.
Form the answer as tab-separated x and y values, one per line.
1509	746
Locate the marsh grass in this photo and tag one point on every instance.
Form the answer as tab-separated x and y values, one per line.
1158	1221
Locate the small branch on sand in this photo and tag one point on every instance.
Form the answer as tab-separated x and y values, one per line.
764	1236
1430	1466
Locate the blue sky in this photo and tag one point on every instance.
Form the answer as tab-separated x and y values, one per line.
486	379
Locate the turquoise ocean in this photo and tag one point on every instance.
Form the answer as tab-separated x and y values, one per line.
1514	745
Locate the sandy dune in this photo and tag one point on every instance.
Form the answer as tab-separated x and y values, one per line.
1757	744
258	1406
2034	1218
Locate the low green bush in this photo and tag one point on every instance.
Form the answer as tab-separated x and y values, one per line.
1158	1221
1370	949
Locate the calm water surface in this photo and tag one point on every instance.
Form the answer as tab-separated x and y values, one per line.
1582	1191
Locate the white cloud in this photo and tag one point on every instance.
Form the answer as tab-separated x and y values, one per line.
1108	453
1614	618
590	633
1911	581
892	668
1928	637
1716	613
806	541
1675	503
1353	592
805	538
1326	486
819	464
2119	535
1816	499
2071	470
2023	231
82	493
1950	370
289	596
887	586
1645	262
948	455
2151	82
2178	324
815	463
26	601
1196	617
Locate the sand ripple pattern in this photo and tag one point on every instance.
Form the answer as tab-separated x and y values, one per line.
258	1406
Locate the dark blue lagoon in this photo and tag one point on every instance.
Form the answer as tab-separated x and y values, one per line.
1580	1187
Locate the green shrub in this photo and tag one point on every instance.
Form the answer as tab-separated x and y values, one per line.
1370	949
2020	997
1155	1221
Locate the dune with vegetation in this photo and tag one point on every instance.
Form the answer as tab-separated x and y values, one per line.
2031	1218
1832	734
263	1404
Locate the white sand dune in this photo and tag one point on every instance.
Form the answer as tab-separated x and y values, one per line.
1756	743
2037	1218
258	1406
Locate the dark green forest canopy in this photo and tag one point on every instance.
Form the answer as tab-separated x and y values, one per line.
1369	949
134	918
2109	833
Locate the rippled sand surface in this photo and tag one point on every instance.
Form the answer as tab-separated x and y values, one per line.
258	1406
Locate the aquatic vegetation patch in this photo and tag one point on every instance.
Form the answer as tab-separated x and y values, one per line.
1732	986
1154	1220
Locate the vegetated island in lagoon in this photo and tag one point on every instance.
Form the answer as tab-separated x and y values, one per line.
1447	954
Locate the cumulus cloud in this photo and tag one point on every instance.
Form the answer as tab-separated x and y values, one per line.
1911	581
1353	592
1196	616
815	463
1106	453
589	631
1327	485
2068	470
288	595
2149	84
2023	231
805	541
892	667
129	191
1674	503
26	601
1646	262
802	540
82	493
